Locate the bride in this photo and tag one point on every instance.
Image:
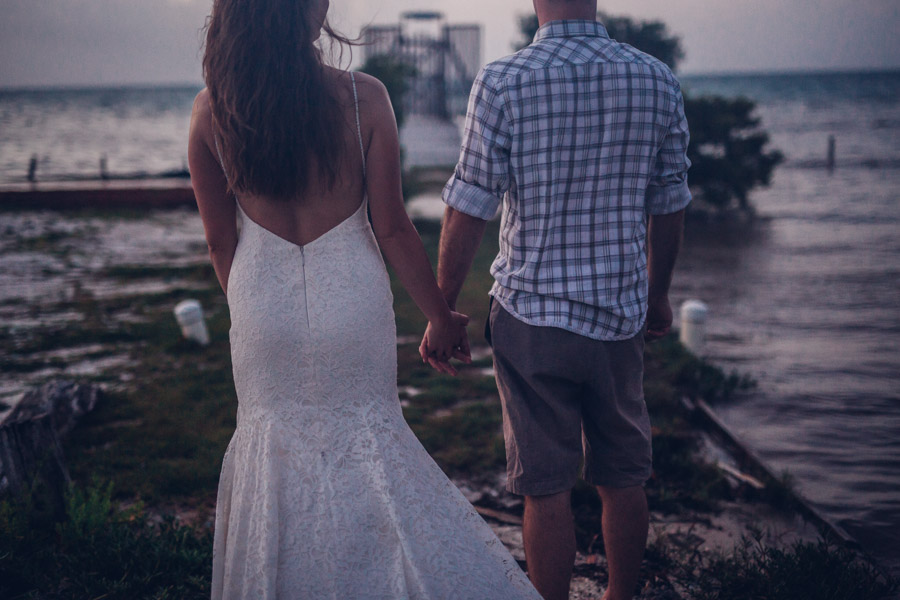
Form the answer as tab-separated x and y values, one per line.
324	491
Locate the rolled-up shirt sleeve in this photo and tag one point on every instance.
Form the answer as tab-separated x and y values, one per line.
482	175
668	189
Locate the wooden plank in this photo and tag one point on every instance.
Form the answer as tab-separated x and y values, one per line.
500	516
749	458
111	196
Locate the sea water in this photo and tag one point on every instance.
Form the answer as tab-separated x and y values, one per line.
807	299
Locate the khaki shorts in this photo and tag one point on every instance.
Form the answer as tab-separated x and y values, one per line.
567	397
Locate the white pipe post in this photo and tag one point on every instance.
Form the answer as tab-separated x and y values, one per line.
694	315
189	314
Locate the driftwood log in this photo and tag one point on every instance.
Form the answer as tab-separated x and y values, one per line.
31	463
32	467
65	401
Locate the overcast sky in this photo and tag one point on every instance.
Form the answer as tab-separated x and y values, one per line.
95	42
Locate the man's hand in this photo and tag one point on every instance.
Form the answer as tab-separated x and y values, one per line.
659	318
443	341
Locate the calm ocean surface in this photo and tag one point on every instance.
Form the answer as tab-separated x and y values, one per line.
805	300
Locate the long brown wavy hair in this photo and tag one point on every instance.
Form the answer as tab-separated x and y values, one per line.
279	124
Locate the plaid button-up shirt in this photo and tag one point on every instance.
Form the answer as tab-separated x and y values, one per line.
580	138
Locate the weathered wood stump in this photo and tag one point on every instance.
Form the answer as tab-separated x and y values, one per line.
32	468
65	401
31	463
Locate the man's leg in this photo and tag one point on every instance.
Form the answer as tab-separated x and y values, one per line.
539	375
549	534
618	458
625	524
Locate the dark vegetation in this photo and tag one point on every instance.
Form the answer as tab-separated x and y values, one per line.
806	570
394	74
100	551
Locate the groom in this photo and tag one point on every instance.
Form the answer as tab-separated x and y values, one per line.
583	141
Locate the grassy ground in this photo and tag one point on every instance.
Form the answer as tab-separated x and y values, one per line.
160	438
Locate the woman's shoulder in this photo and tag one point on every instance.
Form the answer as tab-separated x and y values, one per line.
371	92
201	102
201	114
369	84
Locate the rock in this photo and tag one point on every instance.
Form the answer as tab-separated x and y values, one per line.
65	401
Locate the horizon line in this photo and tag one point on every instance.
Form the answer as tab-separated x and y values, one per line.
713	73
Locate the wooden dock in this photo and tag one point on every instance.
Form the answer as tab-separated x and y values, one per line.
157	193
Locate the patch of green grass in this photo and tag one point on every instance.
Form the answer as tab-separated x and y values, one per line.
98	551
135	272
469	441
680	478
101	323
805	571
473	300
667	359
436	389
165	439
71	336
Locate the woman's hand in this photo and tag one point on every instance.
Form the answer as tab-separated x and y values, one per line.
445	340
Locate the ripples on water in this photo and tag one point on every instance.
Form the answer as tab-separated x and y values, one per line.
805	300
138	130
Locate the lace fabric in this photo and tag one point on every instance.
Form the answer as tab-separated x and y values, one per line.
325	492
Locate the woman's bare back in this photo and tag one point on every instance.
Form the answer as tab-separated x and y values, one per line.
304	219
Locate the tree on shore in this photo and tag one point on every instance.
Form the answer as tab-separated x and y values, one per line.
728	147
395	74
651	37
727	151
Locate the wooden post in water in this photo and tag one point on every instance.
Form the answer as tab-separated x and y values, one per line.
32	168
832	154
104	175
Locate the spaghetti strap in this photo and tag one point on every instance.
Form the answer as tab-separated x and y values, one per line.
362	150
219	152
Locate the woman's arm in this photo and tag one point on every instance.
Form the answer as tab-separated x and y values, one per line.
217	206
399	241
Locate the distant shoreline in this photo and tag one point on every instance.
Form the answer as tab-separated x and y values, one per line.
790	73
68	88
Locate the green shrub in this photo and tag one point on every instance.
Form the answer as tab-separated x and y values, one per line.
806	571
100	551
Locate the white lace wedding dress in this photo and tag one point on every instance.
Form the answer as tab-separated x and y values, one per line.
325	493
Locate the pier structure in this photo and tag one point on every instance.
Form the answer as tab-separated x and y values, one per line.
444	59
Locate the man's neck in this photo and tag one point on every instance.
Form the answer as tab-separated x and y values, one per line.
564	10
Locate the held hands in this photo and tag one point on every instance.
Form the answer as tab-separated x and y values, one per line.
443	341
659	318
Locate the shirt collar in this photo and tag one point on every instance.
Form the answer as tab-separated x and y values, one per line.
571	28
